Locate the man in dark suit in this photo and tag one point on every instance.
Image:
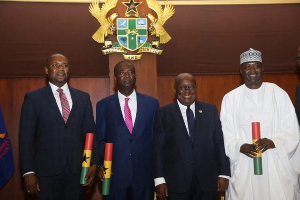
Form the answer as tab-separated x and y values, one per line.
53	126
131	136
188	155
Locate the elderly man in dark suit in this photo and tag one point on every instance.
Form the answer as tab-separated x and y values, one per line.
126	120
189	156
54	122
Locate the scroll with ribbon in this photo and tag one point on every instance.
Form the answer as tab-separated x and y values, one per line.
87	155
257	161
107	167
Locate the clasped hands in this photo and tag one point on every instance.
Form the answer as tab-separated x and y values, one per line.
263	145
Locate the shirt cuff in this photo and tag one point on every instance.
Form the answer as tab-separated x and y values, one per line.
158	181
223	176
28	173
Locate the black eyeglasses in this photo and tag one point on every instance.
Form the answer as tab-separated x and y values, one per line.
185	87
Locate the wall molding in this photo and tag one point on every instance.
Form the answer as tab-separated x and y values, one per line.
175	2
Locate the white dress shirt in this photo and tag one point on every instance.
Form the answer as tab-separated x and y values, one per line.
66	91
183	109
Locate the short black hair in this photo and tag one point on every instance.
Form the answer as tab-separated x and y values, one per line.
123	62
51	56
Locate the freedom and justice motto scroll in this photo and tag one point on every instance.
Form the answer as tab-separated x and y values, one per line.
87	155
257	161
107	167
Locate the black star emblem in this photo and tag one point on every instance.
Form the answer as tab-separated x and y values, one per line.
85	158
131	6
105	169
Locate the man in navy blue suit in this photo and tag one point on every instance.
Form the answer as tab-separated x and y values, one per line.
188	155
52	138
132	136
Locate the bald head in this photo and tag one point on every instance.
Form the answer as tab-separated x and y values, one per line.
182	76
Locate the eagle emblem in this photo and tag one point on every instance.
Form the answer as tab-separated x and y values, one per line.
156	26
106	23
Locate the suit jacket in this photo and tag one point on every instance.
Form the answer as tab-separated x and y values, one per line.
47	143
176	157
132	153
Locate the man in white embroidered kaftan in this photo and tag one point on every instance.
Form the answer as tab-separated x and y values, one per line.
258	101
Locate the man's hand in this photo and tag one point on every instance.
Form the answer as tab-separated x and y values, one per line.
249	150
162	191
264	144
31	184
90	175
101	172
222	184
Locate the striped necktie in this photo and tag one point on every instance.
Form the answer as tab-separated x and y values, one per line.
64	104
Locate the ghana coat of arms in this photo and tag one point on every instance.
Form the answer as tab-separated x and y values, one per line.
131	29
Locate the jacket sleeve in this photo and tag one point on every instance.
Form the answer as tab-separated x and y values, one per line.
26	134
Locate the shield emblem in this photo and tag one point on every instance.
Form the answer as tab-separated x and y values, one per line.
132	32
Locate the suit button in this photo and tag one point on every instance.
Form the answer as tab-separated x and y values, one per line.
193	147
130	154
66	126
130	140
192	162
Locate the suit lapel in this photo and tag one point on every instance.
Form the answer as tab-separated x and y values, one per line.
175	110
75	100
49	98
115	104
139	113
198	116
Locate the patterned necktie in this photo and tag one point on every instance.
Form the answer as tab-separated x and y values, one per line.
64	104
191	122
127	113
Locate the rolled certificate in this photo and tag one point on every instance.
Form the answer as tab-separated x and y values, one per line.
257	161
107	167
87	154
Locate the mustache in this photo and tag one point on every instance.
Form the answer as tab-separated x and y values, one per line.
60	73
127	79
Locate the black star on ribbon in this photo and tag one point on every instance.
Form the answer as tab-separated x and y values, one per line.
85	158
131	6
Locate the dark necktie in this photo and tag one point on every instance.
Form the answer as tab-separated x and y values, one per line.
64	104
191	122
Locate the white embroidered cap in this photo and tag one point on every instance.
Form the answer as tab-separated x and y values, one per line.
251	55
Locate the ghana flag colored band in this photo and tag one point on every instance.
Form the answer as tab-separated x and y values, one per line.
87	155
257	161
107	168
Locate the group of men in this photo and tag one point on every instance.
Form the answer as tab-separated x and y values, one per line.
182	151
